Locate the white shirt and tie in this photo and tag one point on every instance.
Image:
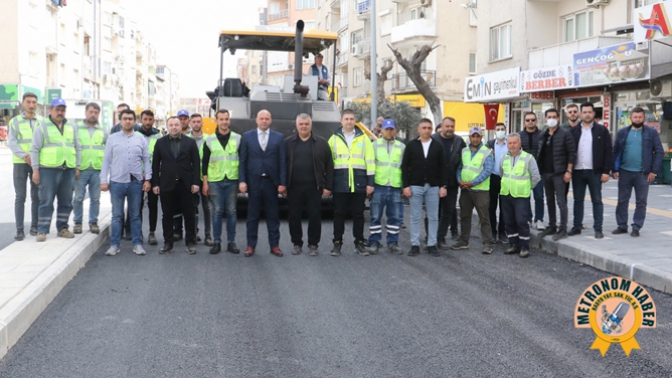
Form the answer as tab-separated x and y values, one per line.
262	136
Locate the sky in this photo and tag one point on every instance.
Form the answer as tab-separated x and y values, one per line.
185	35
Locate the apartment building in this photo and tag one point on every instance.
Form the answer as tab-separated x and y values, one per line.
534	55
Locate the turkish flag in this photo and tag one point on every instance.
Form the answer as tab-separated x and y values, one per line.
491	113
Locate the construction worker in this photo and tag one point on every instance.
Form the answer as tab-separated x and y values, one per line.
92	137
56	156
354	169
220	180
19	139
152	134
196	125
386	197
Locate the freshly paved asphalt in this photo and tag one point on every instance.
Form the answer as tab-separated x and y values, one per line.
461	315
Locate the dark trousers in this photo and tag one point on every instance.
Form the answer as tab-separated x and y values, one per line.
447	214
23	172
177	218
516	213
580	179
153	206
355	203
481	202
266	195
538	192
496	226
556	191
626	181
309	198
180	195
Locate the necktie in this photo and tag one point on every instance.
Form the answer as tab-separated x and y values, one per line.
263	140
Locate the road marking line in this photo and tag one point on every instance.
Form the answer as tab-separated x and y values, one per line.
631	206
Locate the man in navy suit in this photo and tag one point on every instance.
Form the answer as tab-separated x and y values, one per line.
263	174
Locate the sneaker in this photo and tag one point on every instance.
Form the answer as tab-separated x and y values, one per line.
524	253
394	249
441	244
548	231
487	250
540	225
619	231
19	234
460	245
362	248
562	234
312	250
296	250
511	250
41	236
231	247
433	251
77	229
373	248
168	247
504	239
93	227
455	236
208	241
197	239
138	250
336	251
33	231
65	233
114	249
151	239
574	231
599	234
634	233
216	249
191	249
415	250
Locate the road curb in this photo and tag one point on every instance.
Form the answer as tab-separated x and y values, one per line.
17	315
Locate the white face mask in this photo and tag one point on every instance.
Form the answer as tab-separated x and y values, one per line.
500	134
552	123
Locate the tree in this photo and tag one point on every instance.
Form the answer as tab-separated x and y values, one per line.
382	76
405	116
412	68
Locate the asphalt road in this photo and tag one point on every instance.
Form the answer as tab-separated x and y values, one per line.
460	315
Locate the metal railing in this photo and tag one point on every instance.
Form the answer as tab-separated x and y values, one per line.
401	81
341	58
342	23
363	6
276	16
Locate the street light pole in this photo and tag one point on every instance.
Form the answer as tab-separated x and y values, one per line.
374	74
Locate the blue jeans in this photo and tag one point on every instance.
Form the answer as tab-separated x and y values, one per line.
580	179
538	193
388	199
223	198
55	183
90	178
626	181
430	196
119	192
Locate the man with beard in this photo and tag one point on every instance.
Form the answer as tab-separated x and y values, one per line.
196	125
572	113
529	138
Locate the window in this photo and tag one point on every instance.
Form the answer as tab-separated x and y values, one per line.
305	4
472	63
356	37
275	8
358	77
500	42
578	26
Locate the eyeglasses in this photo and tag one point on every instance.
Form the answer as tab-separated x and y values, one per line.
530	120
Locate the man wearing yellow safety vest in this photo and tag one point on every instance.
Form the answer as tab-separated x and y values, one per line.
56	156
519	175
92	137
387	189
19	139
152	134
196	125
473	176
354	169
220	180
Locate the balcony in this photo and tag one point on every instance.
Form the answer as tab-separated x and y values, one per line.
362	49
341	59
563	53
414	32
363	9
278	16
340	25
335	4
402	83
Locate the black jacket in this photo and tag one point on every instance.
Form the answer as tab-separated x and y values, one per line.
564	150
165	168
603	155
525	142
418	170
322	160
453	159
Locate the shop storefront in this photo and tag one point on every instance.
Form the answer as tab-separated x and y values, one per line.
500	87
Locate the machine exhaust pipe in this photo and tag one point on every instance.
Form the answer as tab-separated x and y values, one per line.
298	61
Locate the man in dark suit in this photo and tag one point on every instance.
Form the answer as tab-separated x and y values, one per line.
176	163
263	174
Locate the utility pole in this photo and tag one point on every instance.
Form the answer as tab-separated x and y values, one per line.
374	72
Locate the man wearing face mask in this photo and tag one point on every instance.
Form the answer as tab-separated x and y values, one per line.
529	138
594	162
499	149
572	113
639	154
556	157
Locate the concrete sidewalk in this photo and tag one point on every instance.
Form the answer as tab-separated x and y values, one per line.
646	259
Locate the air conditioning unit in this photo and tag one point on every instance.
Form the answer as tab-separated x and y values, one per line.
661	88
426	3
596	3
